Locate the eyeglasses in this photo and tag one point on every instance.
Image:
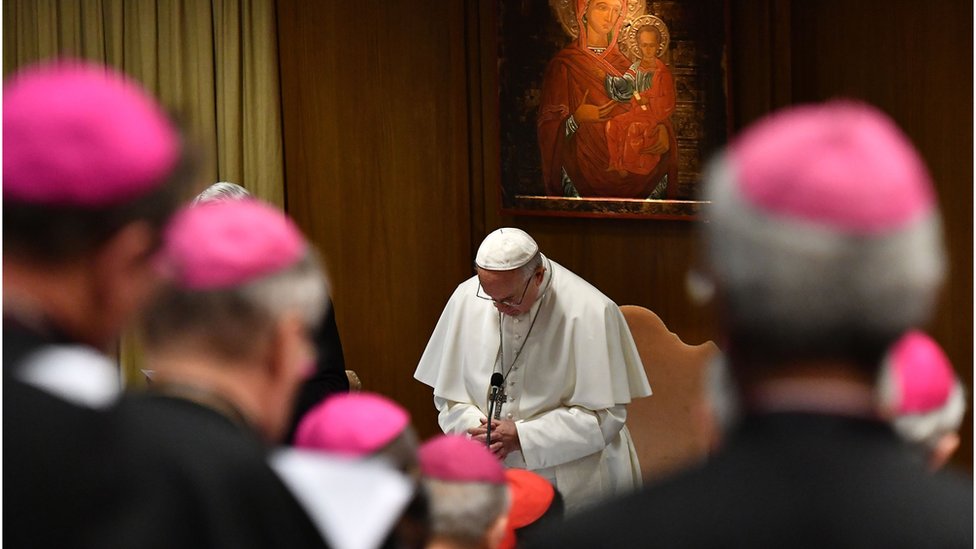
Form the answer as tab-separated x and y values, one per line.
508	303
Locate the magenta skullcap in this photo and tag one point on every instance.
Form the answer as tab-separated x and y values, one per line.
357	424
922	373
456	458
78	134
843	165
229	243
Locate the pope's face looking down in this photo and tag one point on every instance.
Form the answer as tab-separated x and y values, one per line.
511	293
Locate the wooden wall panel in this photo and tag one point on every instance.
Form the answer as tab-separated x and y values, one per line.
375	124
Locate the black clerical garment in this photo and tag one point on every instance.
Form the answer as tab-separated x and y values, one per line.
789	480
329	376
204	480
58	454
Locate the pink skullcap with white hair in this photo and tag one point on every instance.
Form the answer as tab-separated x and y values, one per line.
229	243
357	424
455	458
922	372
843	165
79	134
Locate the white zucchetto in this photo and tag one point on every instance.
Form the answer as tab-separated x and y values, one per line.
506	249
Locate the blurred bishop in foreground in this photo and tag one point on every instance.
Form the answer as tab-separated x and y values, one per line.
824	245
93	168
468	494
228	340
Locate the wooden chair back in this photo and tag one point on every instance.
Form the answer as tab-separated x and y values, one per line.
668	427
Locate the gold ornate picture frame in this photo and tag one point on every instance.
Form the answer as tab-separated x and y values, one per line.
611	112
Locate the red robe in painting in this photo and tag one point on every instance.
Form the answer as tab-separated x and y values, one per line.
585	156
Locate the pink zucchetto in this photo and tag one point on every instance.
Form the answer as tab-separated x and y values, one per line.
829	164
82	135
228	243
355	424
922	374
455	458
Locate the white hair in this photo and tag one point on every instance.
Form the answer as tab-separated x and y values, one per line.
805	285
465	511
222	190
529	268
924	429
302	288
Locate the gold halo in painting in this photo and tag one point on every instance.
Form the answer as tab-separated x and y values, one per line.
629	37
565	12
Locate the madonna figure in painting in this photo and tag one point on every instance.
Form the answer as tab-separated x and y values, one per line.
604	120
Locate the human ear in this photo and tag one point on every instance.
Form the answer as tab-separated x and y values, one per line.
496	532
290	347
289	352
943	450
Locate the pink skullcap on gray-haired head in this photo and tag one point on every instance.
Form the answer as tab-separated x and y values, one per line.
79	134
922	374
843	165
357	424
229	243
455	458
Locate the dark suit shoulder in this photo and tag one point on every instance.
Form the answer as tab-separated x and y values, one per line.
202	470
798	481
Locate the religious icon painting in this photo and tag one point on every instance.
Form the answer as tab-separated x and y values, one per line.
609	108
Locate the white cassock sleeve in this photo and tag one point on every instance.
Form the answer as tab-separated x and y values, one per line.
567	434
457	417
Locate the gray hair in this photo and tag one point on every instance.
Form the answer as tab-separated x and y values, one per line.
721	393
234	322
401	452
529	268
801	289
222	190
465	511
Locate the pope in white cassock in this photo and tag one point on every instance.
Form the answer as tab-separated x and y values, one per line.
567	365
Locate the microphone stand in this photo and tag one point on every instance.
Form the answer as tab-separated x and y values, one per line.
493	396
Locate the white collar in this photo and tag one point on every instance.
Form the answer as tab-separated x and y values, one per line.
75	373
353	503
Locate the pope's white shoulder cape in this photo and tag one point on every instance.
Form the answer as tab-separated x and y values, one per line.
580	352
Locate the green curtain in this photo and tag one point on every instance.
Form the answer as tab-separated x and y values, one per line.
213	64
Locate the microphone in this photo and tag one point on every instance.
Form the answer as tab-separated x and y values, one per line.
496	384
496	381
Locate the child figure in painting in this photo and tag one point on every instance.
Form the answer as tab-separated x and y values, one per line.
638	139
